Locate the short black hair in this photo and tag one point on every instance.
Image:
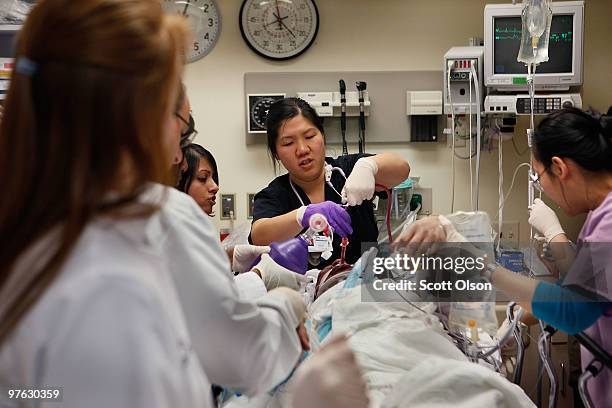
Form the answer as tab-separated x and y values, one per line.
583	136
192	154
285	109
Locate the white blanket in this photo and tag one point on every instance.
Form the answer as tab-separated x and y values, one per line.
406	357
437	382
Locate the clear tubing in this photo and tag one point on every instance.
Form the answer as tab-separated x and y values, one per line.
470	125
449	67
530	188
531	70
500	190
582	383
520	355
501	342
478	137
548	365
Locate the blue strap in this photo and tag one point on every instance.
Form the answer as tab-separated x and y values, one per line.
26	66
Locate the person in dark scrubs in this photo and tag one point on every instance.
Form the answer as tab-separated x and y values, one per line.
341	189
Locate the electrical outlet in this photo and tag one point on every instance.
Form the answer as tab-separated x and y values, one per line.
228	207
510	234
426	202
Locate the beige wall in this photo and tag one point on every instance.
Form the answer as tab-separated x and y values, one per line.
376	35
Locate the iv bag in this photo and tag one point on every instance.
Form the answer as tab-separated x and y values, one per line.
536	19
476	228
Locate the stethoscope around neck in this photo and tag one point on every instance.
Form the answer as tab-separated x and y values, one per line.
328	168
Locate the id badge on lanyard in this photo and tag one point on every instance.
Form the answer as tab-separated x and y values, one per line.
321	243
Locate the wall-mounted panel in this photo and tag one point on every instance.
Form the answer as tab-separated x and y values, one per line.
387	121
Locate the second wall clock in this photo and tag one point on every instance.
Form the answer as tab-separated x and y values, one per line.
279	29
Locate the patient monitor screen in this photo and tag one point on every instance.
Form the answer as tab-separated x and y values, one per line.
507	42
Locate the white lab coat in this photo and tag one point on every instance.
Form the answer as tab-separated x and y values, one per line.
109	330
243	346
112	331
250	286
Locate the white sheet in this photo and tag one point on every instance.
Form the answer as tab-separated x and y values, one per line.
437	382
406	358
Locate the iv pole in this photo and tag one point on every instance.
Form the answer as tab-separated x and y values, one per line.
536	18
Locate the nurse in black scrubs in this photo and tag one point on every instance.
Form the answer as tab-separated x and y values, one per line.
315	183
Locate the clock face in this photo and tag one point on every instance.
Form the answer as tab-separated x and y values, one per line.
279	29
205	21
258	106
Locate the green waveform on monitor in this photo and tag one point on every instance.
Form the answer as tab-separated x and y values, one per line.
512	34
508	33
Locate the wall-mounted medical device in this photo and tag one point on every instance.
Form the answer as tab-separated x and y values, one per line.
257	109
502	39
521	104
328	103
322	102
424	109
423	103
463	70
8	34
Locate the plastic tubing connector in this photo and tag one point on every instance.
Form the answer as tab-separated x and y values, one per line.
317	222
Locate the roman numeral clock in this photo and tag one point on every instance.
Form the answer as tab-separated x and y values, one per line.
279	29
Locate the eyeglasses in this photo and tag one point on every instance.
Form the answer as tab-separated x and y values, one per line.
188	135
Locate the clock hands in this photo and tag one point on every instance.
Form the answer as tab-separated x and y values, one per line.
277	15
280	20
275	21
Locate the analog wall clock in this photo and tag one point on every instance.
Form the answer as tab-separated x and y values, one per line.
205	21
279	29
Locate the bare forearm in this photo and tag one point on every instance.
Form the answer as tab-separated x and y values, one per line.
392	169
562	252
268	230
529	319
518	287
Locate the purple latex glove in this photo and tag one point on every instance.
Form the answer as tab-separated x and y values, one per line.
291	254
337	217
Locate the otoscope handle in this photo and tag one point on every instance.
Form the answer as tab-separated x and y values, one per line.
343	103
